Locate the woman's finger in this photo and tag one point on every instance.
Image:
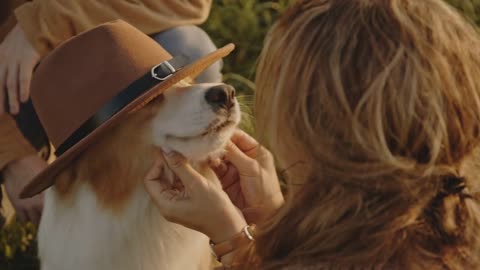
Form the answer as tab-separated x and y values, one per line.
214	163
25	76
156	171
153	182
156	188
230	176
171	203
12	86
190	178
220	169
233	191
248	145
245	164
265	158
245	142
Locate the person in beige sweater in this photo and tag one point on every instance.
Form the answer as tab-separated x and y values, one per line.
36	27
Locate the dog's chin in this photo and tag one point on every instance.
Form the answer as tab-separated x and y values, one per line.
209	145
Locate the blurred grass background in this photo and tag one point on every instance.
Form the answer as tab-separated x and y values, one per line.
243	22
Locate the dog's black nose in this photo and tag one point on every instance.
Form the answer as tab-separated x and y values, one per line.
221	96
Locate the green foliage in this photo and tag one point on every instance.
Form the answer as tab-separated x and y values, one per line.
18	246
243	22
471	8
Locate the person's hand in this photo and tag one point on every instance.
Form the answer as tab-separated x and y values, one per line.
249	177
17	60
16	175
192	200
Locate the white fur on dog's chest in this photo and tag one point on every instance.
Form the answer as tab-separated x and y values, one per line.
105	222
78	234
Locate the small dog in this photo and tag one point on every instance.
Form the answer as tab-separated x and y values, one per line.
99	216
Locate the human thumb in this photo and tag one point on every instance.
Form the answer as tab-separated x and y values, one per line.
245	165
190	178
171	202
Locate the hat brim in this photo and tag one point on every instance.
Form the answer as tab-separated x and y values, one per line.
46	178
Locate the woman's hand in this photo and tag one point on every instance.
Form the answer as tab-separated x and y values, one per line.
193	201
16	175
249	177
17	61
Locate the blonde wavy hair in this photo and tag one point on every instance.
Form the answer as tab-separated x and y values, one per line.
373	109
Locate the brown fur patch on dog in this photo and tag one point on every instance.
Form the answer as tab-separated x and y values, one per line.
116	164
64	183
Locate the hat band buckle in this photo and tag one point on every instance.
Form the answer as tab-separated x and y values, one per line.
124	98
163	65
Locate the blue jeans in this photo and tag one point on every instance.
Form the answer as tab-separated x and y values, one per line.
194	43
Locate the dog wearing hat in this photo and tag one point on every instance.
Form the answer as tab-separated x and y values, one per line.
109	99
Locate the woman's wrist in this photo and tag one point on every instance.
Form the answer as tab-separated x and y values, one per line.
230	225
258	214
227	233
227	250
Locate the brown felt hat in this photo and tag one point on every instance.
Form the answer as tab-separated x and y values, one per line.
91	81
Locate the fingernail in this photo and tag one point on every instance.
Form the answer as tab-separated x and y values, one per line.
168	153
165	150
215	162
221	169
230	146
172	154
